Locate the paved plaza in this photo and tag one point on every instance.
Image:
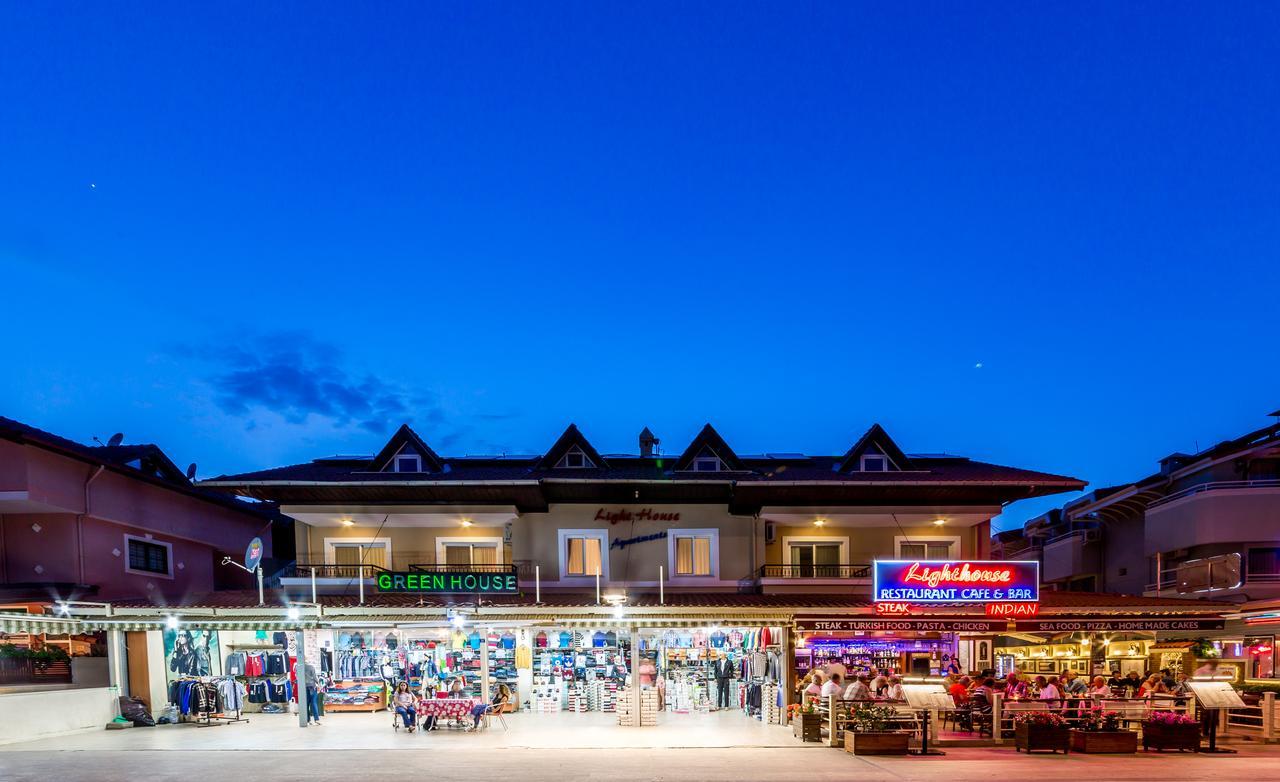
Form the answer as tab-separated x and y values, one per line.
706	748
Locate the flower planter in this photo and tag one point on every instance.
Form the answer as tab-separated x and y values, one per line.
807	727
1095	742
877	743
1033	738
1161	737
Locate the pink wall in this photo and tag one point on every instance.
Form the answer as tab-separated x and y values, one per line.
118	504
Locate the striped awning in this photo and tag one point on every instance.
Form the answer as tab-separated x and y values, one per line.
39	623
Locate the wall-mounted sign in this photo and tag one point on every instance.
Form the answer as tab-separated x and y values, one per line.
918	581
853	625
641	514
452	583
1007	610
1136	624
893	609
624	542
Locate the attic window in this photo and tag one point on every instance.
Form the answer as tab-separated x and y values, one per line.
407	462
707	461
874	462
574	458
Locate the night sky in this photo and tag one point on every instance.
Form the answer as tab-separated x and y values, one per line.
1041	234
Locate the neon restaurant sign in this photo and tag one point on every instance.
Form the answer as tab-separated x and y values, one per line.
916	581
452	583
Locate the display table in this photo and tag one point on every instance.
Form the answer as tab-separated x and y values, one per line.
447	708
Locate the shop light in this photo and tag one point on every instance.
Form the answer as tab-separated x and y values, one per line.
1217	677
459	621
64	608
348	523
939	522
618	612
293	613
171	622
819	522
466	522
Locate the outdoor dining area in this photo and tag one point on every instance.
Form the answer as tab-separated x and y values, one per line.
1080	724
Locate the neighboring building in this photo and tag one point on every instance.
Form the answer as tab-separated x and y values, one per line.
1205	524
707	519
112	522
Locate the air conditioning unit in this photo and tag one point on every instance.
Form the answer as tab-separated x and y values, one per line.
770	532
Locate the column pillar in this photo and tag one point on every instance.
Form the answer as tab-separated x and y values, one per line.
300	674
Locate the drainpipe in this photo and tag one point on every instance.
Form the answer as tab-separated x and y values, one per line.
80	523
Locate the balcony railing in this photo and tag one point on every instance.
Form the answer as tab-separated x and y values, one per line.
1169	582
415	561
815	571
1267	483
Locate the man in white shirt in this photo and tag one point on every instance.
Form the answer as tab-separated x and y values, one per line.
859	690
832	686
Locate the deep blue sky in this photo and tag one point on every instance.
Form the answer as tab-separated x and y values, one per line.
259	235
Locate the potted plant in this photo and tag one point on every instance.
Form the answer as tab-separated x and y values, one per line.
1102	732
1171	730
1041	730
871	732
805	721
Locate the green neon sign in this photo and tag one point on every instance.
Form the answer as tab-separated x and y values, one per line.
451	583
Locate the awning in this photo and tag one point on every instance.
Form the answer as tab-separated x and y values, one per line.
39	623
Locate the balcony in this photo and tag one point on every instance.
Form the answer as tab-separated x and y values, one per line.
1204	582
1070	554
1214	513
777	579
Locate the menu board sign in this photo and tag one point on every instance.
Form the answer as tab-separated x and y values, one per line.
928	696
873	625
1137	624
1216	695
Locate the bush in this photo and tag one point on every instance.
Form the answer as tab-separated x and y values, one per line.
1048	719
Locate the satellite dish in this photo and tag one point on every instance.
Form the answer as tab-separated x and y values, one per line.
115	440
253	554
191	471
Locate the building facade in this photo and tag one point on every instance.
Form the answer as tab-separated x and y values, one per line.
111	523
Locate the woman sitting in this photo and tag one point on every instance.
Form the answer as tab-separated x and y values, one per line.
501	699
406	705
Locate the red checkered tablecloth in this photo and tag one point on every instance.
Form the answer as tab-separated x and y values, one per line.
447	707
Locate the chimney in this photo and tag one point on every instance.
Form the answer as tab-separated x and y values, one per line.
647	443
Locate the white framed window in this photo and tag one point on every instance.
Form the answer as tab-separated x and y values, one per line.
707	461
469	551
874	462
814	556
148	557
574	458
694	553
926	547
408	462
583	553
358	551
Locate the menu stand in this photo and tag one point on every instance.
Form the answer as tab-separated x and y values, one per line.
924	698
1214	697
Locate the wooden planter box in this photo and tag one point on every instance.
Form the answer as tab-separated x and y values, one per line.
1033	738
1162	737
807	727
887	743
1104	741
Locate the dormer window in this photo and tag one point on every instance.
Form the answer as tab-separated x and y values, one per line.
407	462
707	461
574	459
874	462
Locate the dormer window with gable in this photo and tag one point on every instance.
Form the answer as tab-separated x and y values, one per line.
574	458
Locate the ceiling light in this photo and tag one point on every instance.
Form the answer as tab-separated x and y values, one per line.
171	622
466	522
939	522
617	612
459	621
293	613
347	523
819	522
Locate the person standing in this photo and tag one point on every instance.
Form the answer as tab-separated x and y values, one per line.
723	671
304	673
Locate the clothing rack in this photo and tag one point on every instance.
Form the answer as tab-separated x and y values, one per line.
209	718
